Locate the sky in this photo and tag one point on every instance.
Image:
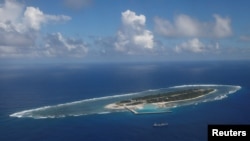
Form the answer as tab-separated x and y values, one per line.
124	30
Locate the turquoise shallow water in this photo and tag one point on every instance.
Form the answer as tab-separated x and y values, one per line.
152	109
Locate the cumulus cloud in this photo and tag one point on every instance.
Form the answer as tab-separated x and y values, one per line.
193	45
20	26
59	46
34	18
133	36
15	17
13	38
186	26
10	16
196	46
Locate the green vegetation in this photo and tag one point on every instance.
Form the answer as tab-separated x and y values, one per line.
167	96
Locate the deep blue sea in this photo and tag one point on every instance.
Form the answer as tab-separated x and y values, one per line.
29	86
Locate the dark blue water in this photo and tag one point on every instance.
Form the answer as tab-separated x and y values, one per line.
30	86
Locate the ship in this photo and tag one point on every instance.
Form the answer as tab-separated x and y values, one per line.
160	124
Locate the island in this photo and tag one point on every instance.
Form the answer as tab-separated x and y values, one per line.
159	100
145	102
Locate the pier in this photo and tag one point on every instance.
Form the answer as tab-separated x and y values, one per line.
141	113
160	112
131	110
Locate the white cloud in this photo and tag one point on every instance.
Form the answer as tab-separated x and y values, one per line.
59	46
34	18
222	27
196	46
133	36
8	51
15	17
10	15
193	45
144	40
17	39
186	26
130	19
20	26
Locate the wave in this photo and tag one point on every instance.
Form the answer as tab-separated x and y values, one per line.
101	113
205	85
20	114
220	97
97	105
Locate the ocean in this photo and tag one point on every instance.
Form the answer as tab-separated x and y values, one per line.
30	86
